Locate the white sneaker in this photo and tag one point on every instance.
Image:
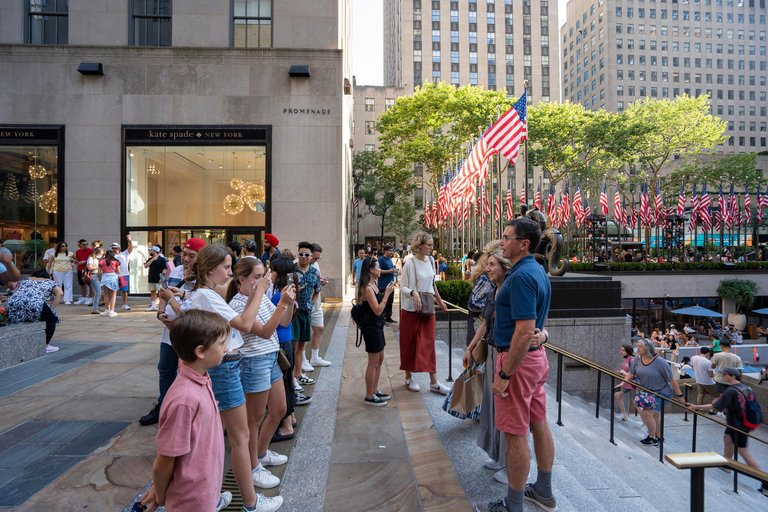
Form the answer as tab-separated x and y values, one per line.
152	307
439	388
126	307
79	301
88	302
224	500
112	313
501	476
68	303
297	386
623	417
273	459
266	504
306	367
105	313
319	362
411	385
263	478
492	464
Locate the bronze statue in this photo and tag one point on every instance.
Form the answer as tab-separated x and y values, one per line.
551	246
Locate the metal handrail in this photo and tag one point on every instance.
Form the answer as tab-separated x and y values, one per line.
452	308
456	308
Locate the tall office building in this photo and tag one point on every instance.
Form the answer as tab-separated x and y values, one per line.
617	52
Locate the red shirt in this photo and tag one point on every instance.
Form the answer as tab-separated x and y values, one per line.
109	269
190	430
83	255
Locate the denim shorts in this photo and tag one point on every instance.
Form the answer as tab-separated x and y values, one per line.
225	381
260	372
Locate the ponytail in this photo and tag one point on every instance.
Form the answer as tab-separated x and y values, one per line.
243	268
209	257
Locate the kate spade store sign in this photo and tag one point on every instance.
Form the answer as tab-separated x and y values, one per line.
194	134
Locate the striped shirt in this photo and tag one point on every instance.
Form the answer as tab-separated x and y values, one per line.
252	344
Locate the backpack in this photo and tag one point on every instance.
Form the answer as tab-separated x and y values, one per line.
356	313
752	416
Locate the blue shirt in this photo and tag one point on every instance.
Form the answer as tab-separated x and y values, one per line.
266	256
525	295
309	283
357	266
384	279
283	333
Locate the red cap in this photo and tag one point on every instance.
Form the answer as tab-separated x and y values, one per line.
271	239
195	244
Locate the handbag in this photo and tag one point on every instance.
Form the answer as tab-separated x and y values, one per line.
87	276
122	281
282	360
480	352
467	392
427	299
645	400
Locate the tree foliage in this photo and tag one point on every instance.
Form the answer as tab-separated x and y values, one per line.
738	168
400	221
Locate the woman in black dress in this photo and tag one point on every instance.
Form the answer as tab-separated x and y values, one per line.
371	325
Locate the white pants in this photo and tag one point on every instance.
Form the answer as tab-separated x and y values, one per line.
64	279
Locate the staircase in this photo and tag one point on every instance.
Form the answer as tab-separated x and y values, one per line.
590	473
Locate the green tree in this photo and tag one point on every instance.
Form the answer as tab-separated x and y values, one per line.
401	220
739	169
378	184
432	126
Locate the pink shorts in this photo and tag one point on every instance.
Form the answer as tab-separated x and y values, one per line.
526	400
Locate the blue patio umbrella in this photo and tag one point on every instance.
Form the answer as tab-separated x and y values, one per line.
763	311
697	311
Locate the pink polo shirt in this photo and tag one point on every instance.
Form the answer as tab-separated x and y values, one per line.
190	430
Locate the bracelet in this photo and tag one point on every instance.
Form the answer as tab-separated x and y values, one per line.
282	306
183	295
680	394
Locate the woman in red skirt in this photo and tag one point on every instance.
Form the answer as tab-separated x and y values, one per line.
417	331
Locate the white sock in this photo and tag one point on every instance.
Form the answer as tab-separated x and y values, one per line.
315	354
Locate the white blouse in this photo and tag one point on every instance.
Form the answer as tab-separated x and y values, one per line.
413	268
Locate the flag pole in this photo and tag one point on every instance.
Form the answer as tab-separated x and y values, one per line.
525	172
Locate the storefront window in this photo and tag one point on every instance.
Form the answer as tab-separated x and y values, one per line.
29	176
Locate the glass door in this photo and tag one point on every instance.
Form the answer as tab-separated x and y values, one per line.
142	241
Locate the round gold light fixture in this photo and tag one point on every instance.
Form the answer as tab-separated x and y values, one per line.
233	204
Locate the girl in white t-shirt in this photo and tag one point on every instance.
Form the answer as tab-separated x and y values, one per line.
260	373
212	268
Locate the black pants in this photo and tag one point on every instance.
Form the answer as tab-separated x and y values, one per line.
388	306
290	391
49	317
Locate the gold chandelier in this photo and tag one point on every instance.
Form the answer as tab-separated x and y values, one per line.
250	194
233	204
49	201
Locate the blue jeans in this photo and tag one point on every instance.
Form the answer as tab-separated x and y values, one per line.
167	366
96	288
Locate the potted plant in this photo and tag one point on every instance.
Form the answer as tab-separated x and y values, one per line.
742	292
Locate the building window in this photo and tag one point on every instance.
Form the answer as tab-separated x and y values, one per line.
370	147
151	23
47	22
370	127
389	103
252	24
370	104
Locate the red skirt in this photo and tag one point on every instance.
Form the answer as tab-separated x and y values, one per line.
417	342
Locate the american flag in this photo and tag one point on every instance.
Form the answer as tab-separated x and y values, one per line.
624	213
747	205
441	196
723	207
537	198
434	214
694	209
764	203
704	214
509	130
616	204
733	210
659	201
633	218
645	212
681	200
486	204
427	216
578	212
497	214
604	200
558	221
566	207
587	209
759	204
551	202
522	194
510	206
477	162
357	202
718	221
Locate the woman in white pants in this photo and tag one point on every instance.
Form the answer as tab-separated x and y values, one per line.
63	261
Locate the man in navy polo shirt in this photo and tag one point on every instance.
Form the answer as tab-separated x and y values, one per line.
387	276
522	305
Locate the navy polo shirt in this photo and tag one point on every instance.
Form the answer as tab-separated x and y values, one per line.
384	279
525	295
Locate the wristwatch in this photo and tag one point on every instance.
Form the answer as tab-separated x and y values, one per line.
504	375
680	394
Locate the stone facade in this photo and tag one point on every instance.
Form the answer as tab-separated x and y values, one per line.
21	342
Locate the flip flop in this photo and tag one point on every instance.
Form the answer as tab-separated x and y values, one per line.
276	438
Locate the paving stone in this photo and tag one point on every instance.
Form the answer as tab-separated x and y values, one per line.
21	433
94	438
18	490
61	432
23	456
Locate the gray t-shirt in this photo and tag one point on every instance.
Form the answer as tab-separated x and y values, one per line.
654	376
701	368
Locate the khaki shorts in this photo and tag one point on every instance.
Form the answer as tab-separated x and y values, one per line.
317	317
155	287
707	389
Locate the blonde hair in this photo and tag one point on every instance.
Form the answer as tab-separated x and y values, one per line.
209	257
418	240
497	253
479	267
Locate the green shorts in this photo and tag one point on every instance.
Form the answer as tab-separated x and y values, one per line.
301	327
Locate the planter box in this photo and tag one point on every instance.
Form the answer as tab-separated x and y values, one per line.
21	342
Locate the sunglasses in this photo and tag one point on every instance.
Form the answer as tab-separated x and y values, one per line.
507	237
305	254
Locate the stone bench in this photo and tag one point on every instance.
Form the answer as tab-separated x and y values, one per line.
21	342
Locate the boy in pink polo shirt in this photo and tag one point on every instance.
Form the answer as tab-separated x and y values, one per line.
188	471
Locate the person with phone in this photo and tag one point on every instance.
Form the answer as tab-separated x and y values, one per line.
157	267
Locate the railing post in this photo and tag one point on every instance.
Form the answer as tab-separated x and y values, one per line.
560	389
661	439
597	400
736	458
613	408
697	489
450	347
695	422
685	410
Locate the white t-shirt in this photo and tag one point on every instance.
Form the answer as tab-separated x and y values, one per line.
186	305
701	367
92	261
122	257
49	253
425	272
209	300
252	344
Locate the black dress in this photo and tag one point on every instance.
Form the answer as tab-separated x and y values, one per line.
372	327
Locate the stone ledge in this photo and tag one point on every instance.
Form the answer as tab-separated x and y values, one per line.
21	342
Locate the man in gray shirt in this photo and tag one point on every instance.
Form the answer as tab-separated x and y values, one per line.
704	374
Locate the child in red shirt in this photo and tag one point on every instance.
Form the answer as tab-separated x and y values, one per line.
188	471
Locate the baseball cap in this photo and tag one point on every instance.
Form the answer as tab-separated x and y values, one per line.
115	245
195	244
731	371
155	248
